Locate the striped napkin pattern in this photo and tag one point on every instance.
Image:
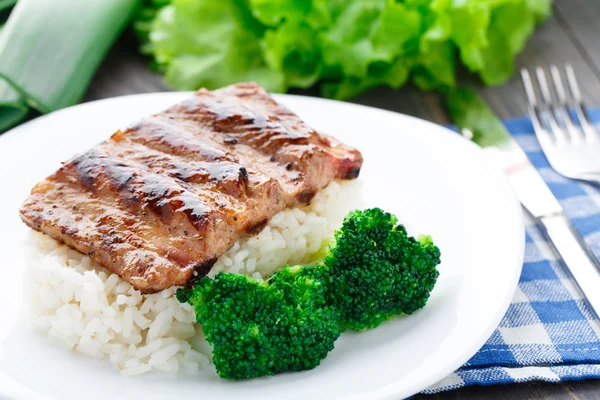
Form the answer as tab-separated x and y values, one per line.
549	332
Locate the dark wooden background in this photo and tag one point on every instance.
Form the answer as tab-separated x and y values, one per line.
572	35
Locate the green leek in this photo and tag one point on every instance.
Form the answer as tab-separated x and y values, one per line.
470	112
50	50
6	4
12	108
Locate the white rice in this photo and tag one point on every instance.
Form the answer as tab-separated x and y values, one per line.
85	308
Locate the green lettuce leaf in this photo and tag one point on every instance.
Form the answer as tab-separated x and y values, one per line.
398	27
314	13
540	8
370	53
293	50
470	25
210	44
393	75
346	46
435	69
511	24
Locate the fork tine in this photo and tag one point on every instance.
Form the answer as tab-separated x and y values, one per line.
573	84
543	82
588	130
560	89
562	108
559	134
542	133
528	87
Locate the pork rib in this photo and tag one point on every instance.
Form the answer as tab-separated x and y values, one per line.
159	202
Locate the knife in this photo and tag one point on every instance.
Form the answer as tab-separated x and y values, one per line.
479	123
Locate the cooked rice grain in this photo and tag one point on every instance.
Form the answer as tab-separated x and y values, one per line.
86	308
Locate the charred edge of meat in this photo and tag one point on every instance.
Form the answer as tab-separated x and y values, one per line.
306	195
257	227
69	230
200	270
243	175
351	173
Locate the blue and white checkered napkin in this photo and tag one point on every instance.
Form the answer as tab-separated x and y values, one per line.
548	333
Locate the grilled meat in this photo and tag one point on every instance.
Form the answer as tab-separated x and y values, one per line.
159	202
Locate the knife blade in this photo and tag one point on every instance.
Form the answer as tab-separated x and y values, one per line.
479	123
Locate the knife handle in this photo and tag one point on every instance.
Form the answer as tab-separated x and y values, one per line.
583	265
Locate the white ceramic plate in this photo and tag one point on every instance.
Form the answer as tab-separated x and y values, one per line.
435	181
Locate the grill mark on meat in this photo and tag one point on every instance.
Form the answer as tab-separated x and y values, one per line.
195	211
159	202
261	161
282	137
257	227
187	146
228	184
306	196
350	172
241	124
204	268
200	270
95	237
164	132
224	176
151	191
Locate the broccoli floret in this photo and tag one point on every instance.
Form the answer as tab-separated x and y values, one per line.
373	271
262	328
376	271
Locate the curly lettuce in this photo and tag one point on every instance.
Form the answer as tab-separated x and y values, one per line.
210	44
345	46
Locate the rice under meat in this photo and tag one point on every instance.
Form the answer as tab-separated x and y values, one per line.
86	308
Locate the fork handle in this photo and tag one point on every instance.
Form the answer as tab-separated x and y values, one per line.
583	265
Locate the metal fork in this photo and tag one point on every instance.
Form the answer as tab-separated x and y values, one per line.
571	144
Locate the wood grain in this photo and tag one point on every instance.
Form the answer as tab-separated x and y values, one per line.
578	390
571	35
581	21
551	44
124	72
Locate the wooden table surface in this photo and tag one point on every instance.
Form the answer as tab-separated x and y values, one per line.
571	35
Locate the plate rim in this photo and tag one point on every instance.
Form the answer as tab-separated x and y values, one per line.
395	389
